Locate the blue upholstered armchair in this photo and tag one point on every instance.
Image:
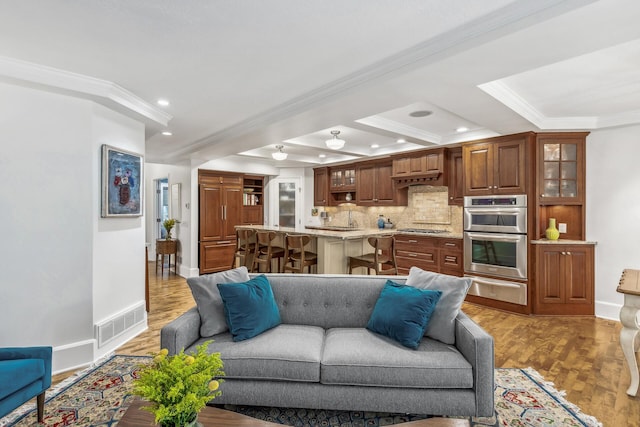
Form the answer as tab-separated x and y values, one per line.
25	372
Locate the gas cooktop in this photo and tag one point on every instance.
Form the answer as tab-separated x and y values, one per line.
423	230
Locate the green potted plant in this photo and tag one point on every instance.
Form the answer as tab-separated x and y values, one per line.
168	225
179	386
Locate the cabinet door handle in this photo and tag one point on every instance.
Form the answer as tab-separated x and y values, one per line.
564	253
413	241
412	255
569	253
449	244
223	242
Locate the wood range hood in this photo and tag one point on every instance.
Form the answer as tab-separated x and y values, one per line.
428	178
425	167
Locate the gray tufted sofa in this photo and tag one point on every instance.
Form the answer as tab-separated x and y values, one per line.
322	357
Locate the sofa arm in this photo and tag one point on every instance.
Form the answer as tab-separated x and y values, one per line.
476	345
43	352
181	332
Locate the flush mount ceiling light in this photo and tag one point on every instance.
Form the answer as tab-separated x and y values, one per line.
279	155
335	143
421	113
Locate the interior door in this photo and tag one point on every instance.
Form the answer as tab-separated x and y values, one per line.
285	203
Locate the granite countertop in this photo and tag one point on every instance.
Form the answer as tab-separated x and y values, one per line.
563	242
357	233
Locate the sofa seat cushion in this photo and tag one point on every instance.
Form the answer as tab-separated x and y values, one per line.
356	356
284	353
18	373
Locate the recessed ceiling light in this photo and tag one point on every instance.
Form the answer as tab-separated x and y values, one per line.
322	156
163	102
462	129
167	133
374	146
401	140
421	113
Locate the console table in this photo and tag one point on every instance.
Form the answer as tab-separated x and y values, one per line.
167	247
629	339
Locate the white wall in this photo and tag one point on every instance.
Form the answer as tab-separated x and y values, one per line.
57	251
613	210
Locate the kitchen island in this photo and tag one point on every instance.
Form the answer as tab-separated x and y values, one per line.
332	244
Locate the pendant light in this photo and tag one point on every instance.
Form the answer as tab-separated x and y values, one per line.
279	155
335	143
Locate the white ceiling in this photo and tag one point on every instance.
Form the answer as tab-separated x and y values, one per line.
244	76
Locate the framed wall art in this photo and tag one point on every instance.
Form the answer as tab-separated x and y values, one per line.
122	181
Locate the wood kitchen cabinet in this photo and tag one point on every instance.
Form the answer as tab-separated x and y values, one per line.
565	281
425	167
252	200
321	186
440	255
342	179
496	166
456	176
561	168
220	208
375	187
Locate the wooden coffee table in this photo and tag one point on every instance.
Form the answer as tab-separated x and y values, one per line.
211	416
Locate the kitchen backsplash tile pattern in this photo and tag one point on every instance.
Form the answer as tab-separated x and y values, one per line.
428	208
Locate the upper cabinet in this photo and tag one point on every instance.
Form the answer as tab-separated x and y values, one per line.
496	166
375	187
561	163
456	176
426	167
321	186
343	179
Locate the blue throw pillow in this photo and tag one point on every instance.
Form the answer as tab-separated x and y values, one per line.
249	307
402	313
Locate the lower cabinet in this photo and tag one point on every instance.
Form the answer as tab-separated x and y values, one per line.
217	255
565	279
440	255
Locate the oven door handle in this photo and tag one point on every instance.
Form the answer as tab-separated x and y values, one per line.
495	283
495	237
502	211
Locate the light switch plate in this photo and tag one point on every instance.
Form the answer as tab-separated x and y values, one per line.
562	227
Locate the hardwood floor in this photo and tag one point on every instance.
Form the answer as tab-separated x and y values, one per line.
580	355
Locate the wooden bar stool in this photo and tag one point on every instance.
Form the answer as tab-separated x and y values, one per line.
245	248
265	251
297	255
383	256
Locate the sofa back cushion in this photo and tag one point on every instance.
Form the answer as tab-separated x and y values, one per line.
327	301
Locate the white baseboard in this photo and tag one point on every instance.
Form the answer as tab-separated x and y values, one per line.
607	310
73	356
187	272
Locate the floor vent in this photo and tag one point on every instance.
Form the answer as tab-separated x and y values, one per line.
119	324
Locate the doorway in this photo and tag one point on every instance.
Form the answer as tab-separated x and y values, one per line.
162	206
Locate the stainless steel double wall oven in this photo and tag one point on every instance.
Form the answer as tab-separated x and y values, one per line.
495	247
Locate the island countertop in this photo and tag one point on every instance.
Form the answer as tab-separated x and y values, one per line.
357	233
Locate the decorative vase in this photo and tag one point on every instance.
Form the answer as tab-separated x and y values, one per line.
552	232
380	222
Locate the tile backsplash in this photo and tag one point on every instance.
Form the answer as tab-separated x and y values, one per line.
428	208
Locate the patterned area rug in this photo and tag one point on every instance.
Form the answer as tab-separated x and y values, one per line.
99	396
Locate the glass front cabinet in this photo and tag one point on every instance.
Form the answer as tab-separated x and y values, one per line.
561	160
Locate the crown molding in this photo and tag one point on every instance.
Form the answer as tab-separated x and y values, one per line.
101	91
507	96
